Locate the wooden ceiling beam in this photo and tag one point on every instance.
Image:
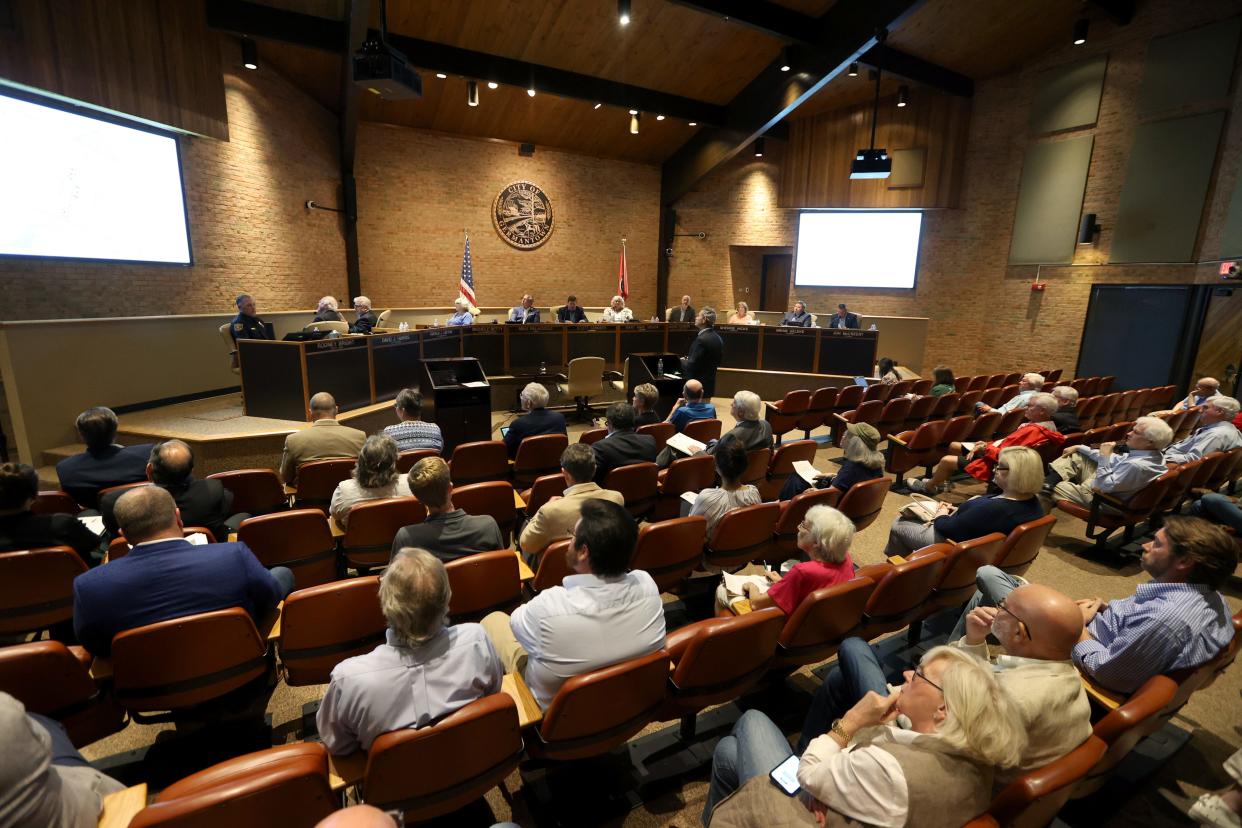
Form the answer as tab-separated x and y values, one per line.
305	30
762	16
896	62
1121	11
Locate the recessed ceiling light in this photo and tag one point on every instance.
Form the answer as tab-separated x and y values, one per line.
492	85
1080	31
659	117
441	75
853	72
694	123
597	106
903	95
623	12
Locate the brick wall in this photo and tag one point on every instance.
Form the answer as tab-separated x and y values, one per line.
249	227
417	191
983	313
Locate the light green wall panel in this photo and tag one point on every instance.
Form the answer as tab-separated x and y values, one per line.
1190	66
1068	96
1045	226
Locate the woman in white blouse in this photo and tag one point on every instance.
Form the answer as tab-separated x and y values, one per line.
618	312
375	476
714	504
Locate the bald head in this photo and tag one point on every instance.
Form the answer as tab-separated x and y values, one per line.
170	463
693	390
1053	623
356	816
322	406
147	513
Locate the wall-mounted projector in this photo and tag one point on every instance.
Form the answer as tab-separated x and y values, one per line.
871	163
383	70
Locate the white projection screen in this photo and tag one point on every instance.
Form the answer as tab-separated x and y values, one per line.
858	248
79	187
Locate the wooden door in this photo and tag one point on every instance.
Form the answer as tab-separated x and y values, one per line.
774	282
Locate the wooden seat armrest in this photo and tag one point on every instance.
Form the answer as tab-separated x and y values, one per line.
741	607
269	625
896	560
841	417
525	573
101	669
1101	695
344	771
1107	498
121	807
896	438
530	714
290	490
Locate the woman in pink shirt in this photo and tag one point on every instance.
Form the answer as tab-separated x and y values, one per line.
825	536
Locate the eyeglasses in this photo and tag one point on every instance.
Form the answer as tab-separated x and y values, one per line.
918	671
999	467
804	526
1026	630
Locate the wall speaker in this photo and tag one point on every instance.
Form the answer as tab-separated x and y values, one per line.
526	150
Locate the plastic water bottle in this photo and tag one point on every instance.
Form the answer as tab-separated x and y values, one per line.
543	368
873	327
436	323
660	367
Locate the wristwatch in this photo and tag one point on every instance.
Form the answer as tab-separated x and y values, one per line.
839	729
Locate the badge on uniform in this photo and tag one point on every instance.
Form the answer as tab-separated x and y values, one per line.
237	326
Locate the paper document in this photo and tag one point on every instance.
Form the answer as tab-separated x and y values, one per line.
689	497
94	523
684	444
198	539
733	585
807	472
474	384
969	447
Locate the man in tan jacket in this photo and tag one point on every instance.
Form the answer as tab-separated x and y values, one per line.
326	438
555	519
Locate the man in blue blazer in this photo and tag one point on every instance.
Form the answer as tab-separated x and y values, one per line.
164	576
537	419
104	464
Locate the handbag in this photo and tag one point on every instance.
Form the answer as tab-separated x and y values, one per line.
921	508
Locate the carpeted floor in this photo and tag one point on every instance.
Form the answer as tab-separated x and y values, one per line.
1211	718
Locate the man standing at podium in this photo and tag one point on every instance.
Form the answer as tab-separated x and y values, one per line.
247	324
706	352
526	313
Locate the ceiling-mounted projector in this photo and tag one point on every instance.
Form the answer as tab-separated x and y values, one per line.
871	163
383	70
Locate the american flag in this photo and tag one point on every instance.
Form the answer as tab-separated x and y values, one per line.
623	277
466	286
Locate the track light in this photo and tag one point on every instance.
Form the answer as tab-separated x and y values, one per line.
759	147
441	76
694	123
493	85
531	91
634	116
472	93
786	59
659	117
623	12
633	111
853	72
250	54
1080	31
903	95
597	105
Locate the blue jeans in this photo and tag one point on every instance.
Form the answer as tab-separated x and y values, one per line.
63	751
857	671
1218	509
754	748
993	585
284	578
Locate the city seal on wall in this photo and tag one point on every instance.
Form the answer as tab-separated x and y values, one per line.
523	215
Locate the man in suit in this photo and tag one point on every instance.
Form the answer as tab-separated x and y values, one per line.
20	528
571	311
366	317
622	446
104	463
683	312
448	532
324	439
201	502
706	352
555	519
798	317
165	576
752	431
327	311
1065	418
843	318
537	419
526	313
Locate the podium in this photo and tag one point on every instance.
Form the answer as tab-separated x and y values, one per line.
458	398
645	368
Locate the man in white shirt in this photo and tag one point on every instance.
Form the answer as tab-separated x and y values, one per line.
600	616
1028	386
1216	432
423	672
556	519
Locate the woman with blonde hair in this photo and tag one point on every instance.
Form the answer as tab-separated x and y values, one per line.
374	477
742	316
1019	474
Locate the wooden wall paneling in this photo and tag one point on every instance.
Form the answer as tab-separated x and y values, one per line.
192	57
1220	346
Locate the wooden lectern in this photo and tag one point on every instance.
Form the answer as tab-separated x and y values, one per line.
458	397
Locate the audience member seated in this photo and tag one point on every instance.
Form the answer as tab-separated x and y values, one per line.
461	313
867	770
1216	432
621	446
524	313
886	370
44	781
603	614
1121	472
979	460
1204	390
742	316
325	439
22	529
755	433
645	399
715	503
164	576
327	311
424	671
1219	508
571	311
863	461
366	319
825	537
538	419
448	532
1177	619
104	463
1028	386
201	502
1018	473
799	317
1065	418
690	406
555	519
413	432
375	476
617	311
1037	627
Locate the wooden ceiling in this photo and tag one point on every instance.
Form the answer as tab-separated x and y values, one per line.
667	47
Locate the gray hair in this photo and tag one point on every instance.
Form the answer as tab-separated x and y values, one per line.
328	302
362	300
240	300
1226	405
982	720
1067	394
1036	381
1156	430
460	301
171	462
1045	401
414	596
857	451
747	405
617	299
377	462
709	315
534	395
832	531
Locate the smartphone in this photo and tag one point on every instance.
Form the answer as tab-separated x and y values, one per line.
785	775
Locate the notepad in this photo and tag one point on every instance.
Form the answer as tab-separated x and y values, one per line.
684	444
807	472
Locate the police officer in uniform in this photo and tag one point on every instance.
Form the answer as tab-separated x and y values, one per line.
247	325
